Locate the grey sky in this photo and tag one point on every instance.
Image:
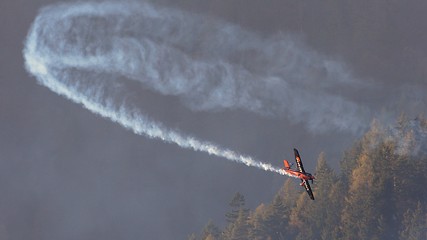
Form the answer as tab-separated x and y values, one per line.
66	173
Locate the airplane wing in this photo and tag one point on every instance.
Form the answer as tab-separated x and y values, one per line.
298	160
307	187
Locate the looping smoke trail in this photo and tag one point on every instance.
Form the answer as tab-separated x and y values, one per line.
207	63
84	51
57	54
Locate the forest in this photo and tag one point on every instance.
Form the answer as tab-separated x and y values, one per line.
379	192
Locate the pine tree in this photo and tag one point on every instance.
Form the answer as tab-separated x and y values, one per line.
237	203
414	224
349	162
210	237
325	212
370	188
276	219
240	228
289	192
336	202
210	231
238	209
192	237
257	230
359	212
300	217
312	218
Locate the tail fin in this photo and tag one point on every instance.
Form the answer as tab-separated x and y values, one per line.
287	166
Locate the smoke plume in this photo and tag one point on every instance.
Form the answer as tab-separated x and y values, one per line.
88	51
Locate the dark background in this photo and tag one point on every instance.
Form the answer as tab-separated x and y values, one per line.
66	173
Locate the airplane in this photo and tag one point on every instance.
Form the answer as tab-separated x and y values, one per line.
301	174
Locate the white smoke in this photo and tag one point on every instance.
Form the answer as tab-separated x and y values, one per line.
84	51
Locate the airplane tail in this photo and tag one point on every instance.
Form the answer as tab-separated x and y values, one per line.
287	166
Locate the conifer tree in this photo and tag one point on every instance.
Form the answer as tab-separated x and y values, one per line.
210	237
312	217
349	162
414	224
240	228
289	192
192	237
258	228
276	219
237	203
210	231
370	188
299	218
333	219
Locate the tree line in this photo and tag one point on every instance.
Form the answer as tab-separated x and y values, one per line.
379	193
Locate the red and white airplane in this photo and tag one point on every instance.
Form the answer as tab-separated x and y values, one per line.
301	174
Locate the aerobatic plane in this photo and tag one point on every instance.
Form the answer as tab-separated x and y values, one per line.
301	174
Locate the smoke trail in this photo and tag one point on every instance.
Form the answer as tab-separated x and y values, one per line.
69	71
87	51
207	63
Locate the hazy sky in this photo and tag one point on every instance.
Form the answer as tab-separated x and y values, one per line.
67	173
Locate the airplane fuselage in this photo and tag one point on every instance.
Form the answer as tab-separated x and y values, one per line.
304	176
